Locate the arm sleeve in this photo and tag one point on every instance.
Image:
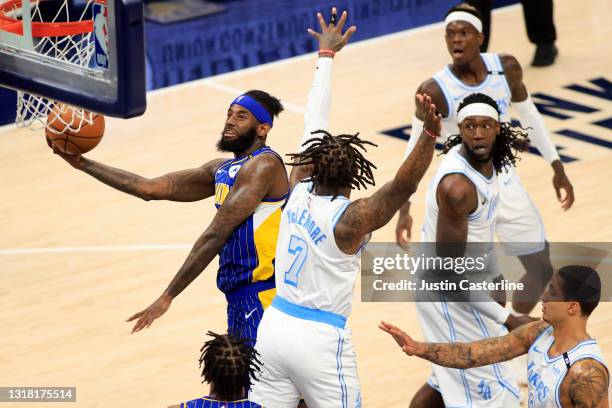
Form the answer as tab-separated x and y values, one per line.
319	101
538	135
492	310
415	133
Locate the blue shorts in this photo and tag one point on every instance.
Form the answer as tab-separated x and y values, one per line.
245	309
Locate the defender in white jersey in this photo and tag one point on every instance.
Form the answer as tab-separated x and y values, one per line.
518	222
461	205
303	342
565	366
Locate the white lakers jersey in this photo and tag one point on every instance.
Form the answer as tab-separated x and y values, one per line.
481	223
311	271
545	374
495	85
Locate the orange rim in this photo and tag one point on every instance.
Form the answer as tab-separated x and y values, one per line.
41	29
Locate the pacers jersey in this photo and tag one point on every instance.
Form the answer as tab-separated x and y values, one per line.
207	402
495	85
312	271
481	223
545	374
248	255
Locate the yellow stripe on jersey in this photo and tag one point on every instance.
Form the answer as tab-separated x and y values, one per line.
221	192
266	223
266	296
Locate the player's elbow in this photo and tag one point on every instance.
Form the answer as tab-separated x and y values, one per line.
150	190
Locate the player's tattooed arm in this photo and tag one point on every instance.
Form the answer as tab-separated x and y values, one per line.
186	185
468	355
261	176
369	214
586	384
403	229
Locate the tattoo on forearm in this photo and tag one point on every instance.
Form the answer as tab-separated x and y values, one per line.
483	352
120	179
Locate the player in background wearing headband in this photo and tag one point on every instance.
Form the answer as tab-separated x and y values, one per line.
249	191
518	225
565	366
459	215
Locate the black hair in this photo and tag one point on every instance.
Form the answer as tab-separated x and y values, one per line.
229	363
272	104
337	161
581	284
467	8
507	143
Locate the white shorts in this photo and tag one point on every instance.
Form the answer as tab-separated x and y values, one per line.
492	386
518	222
304	358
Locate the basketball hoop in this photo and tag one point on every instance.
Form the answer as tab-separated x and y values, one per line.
60	40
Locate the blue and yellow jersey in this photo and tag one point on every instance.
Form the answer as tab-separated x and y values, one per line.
248	255
207	402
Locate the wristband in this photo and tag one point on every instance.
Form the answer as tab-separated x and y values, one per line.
329	53
430	134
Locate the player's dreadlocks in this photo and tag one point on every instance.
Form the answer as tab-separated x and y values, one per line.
337	161
507	143
229	364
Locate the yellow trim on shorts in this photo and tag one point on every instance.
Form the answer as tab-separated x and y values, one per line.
266	296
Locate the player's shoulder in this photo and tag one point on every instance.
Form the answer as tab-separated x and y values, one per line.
587	382
530	332
457	190
512	67
262	165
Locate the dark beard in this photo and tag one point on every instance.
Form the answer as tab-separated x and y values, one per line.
238	145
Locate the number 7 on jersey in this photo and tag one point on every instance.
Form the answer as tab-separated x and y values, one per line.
299	249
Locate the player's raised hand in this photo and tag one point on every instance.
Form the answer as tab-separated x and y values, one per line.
147	316
331	36
427	110
408	345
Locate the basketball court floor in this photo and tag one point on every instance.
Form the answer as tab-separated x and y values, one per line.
77	258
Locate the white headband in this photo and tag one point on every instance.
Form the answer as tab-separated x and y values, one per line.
477	109
464	16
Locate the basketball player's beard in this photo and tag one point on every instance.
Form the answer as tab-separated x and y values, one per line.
239	144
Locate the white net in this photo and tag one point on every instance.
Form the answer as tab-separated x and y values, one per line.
63	40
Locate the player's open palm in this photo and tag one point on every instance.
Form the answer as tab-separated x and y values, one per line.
147	316
408	345
427	110
331	36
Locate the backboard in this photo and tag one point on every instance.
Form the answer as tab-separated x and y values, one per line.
90	55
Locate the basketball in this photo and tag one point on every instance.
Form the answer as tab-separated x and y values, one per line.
73	133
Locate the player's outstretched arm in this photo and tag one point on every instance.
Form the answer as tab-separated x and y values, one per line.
403	229
331	40
186	185
468	355
587	384
258	178
369	214
538	134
